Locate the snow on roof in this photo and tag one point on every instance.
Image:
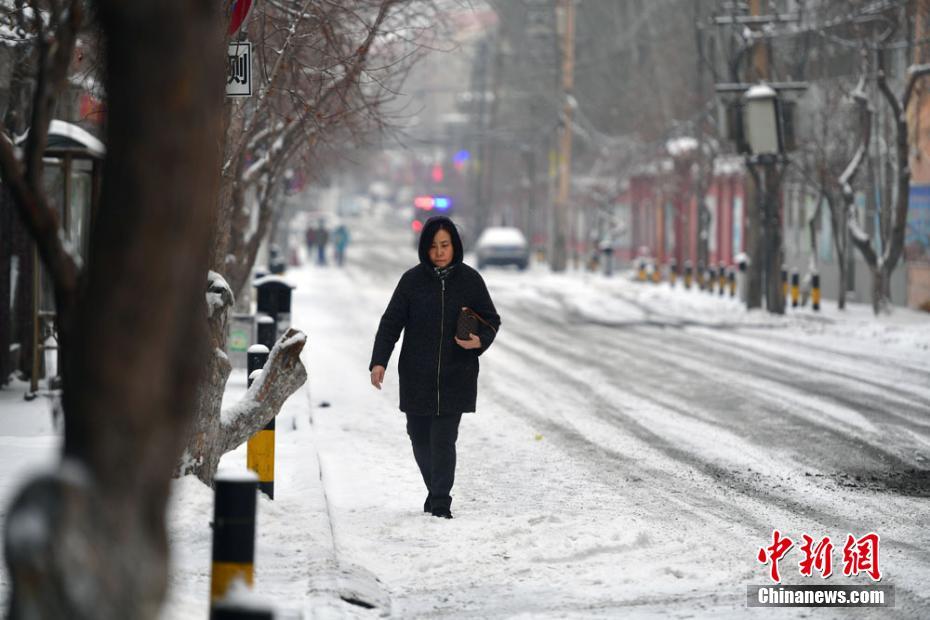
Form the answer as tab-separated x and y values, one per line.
75	133
501	235
60	134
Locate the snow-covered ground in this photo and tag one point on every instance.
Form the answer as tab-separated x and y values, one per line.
633	449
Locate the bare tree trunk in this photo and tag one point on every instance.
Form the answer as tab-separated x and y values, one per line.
133	344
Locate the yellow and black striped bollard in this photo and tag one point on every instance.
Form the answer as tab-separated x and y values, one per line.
240	610
795	288
784	283
722	278
731	280
233	531
688	274
699	275
815	292
672	272
642	271
260	450
656	273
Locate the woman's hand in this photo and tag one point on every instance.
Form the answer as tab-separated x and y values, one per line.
377	376
473	342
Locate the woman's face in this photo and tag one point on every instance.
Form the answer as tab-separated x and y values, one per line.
440	252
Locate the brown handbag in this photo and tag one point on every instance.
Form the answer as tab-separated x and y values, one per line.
468	324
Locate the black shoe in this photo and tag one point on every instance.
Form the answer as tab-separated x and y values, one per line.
445	513
426	506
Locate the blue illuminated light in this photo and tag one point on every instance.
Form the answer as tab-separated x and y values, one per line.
442	203
461	157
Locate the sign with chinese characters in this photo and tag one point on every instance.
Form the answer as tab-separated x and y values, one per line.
239	69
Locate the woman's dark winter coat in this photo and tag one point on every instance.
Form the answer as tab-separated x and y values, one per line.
437	376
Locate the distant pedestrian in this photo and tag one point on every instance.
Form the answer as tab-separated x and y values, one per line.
438	371
310	237
340	241
322	238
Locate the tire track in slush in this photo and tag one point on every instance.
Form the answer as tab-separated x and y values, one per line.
657	441
662	364
716	477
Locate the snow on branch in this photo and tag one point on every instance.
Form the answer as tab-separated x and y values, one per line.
281	376
861	240
219	294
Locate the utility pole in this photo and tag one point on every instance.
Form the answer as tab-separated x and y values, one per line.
562	204
757	71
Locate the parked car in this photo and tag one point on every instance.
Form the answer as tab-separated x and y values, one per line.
502	245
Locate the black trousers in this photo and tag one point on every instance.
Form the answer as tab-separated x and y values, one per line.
433	439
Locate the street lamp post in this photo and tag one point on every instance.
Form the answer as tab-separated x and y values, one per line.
762	130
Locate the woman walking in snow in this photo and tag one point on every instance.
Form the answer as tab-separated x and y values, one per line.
438	371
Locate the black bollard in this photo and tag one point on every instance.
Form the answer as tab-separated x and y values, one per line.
266	331
259	456
815	292
731	277
233	531
688	274
236	611
256	357
784	283
722	278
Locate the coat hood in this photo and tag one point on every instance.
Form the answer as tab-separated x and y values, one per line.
429	231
